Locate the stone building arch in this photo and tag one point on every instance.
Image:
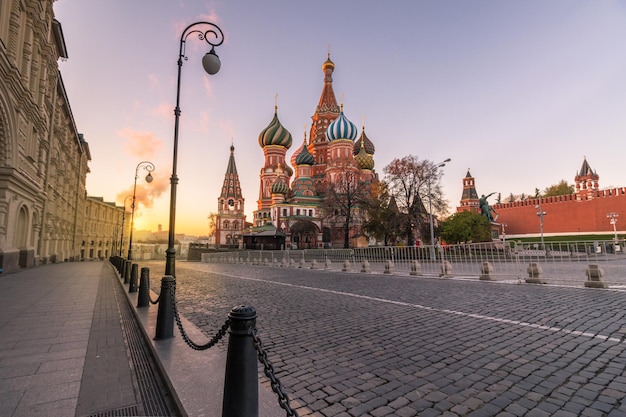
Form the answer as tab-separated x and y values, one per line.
7	147
304	234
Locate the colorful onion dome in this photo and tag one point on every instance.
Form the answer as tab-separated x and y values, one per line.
364	159
341	128
328	63
303	187
297	152
275	133
363	139
279	187
305	157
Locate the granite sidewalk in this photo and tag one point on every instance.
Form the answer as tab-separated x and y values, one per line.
72	343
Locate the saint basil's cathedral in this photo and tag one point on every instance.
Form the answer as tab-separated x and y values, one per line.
290	211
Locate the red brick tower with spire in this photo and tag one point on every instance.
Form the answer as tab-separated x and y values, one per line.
230	220
586	182
469	197
327	111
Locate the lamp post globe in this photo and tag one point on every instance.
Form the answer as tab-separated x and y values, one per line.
212	35
211	62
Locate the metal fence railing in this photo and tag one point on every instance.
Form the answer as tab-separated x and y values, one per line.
563	263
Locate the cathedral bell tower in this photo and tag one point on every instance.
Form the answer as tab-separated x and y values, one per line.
230	219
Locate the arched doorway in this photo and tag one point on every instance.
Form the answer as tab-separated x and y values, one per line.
304	234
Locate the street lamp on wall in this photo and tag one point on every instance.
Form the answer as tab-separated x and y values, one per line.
148	166
430	207
214	36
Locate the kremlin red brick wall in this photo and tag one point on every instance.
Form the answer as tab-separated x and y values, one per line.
567	214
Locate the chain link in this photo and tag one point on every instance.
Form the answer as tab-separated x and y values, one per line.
268	370
220	334
155	301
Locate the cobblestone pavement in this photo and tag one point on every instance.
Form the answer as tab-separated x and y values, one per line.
351	344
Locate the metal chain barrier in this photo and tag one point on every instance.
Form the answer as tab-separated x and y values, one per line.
268	370
220	334
155	301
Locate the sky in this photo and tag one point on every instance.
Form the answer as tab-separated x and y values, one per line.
516	92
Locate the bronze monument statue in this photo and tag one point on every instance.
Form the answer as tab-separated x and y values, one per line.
485	208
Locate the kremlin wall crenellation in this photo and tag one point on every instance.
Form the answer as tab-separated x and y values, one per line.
586	211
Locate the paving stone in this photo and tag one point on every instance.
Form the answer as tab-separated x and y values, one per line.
536	412
453	343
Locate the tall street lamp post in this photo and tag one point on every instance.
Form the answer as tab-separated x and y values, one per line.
541	214
214	36
613	221
123	218
430	206
148	166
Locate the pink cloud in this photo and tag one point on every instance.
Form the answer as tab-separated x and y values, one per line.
140	143
164	110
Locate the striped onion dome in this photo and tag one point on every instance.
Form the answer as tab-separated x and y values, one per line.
305	157
297	152
275	133
341	128
369	146
303	187
364	159
279	187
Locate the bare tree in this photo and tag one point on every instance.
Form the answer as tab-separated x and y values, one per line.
345	200
416	186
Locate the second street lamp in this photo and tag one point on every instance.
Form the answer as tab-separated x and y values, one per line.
148	166
541	214
430	207
214	36
123	219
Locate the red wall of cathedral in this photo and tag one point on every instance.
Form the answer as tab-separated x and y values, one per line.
565	214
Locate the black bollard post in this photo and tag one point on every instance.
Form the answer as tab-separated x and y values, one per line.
241	384
143	298
122	268
126	271
132	284
165	315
